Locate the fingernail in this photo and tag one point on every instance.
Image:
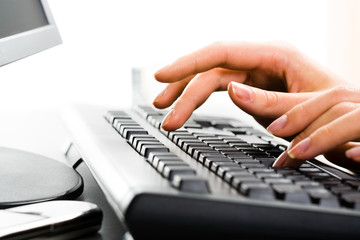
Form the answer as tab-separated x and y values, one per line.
353	152
242	92
167	118
159	96
299	148
277	124
281	160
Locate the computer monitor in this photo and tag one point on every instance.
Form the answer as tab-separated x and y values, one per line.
26	27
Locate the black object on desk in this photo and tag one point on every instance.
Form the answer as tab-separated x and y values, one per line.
30	178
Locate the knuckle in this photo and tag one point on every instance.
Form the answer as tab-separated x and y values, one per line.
326	132
271	99
341	93
343	107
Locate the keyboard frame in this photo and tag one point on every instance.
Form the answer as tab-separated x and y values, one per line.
138	194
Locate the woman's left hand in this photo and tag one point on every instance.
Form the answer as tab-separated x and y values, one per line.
326	124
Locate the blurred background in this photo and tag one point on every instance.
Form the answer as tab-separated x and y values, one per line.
105	40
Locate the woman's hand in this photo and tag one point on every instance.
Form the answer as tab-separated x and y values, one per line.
327	124
269	66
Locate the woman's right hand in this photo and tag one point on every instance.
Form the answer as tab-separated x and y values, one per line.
269	66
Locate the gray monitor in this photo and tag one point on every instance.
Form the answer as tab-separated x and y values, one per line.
26	27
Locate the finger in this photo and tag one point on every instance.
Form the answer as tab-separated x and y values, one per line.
339	131
262	103
338	156
334	113
196	93
354	153
171	93
235	56
302	115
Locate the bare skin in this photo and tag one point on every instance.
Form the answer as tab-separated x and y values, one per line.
270	81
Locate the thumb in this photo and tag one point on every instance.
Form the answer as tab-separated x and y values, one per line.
264	104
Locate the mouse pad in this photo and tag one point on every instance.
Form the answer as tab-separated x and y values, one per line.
29	178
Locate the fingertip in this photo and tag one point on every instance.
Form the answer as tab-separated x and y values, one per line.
276	126
353	153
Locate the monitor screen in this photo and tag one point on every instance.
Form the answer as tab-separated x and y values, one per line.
26	27
18	16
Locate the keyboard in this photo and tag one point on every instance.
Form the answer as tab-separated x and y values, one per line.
212	178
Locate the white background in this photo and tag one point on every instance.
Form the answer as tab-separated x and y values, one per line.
104	39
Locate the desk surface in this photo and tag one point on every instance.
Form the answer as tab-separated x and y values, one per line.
42	132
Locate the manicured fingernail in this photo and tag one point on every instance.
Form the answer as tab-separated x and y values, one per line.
281	160
159	96
299	148
167	118
242	92
353	152
277	124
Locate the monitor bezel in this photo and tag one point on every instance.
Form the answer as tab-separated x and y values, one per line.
21	45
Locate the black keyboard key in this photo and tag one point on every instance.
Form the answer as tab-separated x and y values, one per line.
160	155
142	143
257	191
130	131
138	142
238	180
203	158
291	193
179	131
352	201
147	149
245	160
354	184
252	165
164	163
203	150
190	183
166	159
323	197
222	170
179	136
139	136
230	175
112	115
215	165
252	139
170	171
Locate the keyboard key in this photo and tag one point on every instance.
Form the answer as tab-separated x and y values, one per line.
160	155
291	193
252	139
139	136
203	158
229	175
222	170
202	150
170	171
257	191
190	183
354	184
158	159
163	163
112	115
141	144
209	160
130	131
147	149
215	165
252	165
238	180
